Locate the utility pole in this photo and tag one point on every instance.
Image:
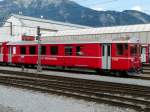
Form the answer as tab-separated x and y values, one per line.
39	68
11	28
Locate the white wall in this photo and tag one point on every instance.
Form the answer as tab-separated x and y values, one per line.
18	29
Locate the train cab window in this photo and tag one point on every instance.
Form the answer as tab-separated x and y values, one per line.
43	50
32	50
119	49
79	51
68	50
23	50
54	50
134	50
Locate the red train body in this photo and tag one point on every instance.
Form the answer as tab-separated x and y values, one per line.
98	56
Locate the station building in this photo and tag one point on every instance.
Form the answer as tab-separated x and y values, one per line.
140	32
16	27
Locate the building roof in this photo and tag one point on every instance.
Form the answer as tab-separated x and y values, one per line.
47	24
104	30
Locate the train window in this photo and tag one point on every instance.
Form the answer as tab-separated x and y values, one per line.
108	50
133	50
22	50
119	49
68	50
79	51
126	46
143	50
54	50
43	50
32	50
103	53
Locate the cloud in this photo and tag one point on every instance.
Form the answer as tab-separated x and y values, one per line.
97	7
137	8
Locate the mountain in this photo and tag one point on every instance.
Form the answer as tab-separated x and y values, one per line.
69	11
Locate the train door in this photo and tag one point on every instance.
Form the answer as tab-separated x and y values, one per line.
143	54
106	56
10	54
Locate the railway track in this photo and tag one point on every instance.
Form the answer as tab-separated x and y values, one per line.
122	95
143	77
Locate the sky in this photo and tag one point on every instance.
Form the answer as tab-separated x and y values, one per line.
117	5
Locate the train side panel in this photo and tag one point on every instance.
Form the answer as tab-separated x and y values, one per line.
120	57
126	57
89	57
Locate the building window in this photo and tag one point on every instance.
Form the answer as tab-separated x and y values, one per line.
68	50
79	51
43	50
119	49
54	50
23	50
32	50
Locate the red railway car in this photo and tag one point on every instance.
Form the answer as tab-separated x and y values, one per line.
107	55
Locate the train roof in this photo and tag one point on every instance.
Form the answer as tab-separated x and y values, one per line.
78	40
